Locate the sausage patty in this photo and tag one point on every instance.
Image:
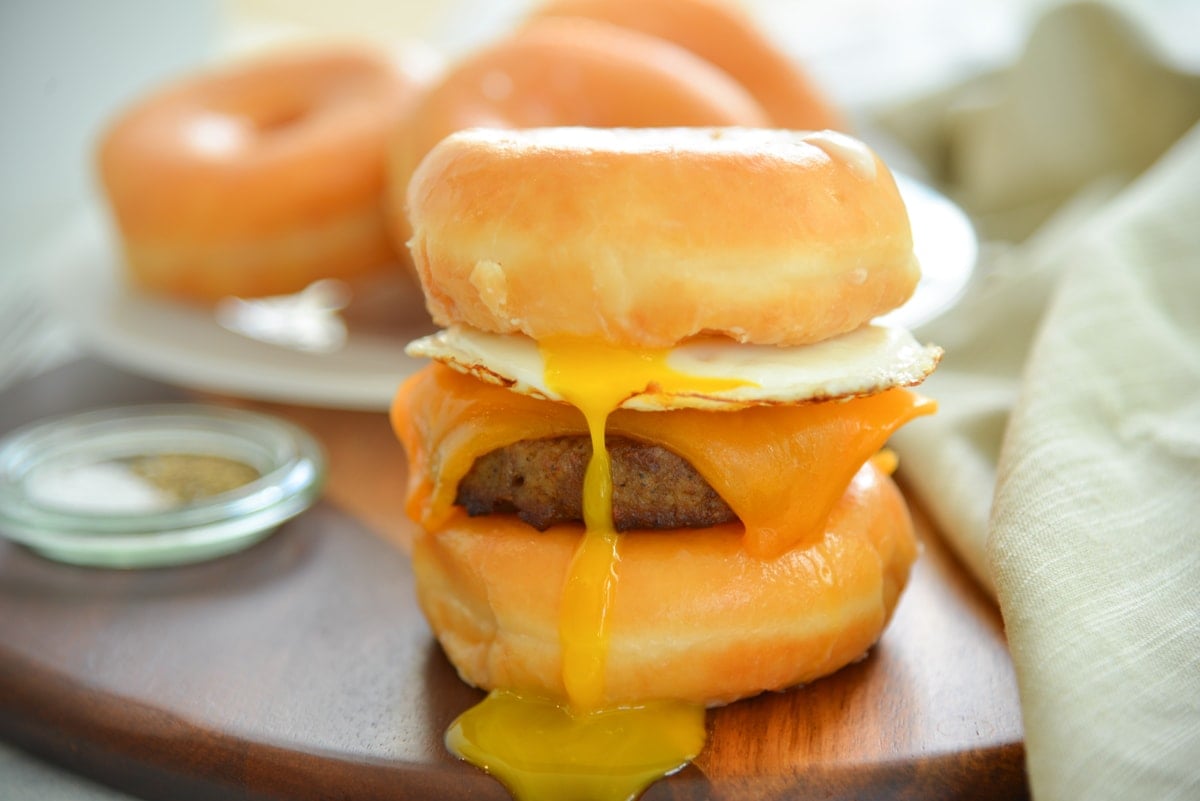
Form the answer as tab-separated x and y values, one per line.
541	480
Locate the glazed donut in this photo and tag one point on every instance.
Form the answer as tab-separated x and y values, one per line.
727	36
706	623
261	177
597	233
567	72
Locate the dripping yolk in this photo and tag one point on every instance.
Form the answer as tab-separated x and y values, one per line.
596	378
588	749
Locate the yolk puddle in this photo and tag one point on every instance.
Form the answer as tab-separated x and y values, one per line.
587	749
543	751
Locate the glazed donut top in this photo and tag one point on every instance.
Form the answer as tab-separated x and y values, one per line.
646	237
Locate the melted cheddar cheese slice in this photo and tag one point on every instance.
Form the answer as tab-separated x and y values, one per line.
781	468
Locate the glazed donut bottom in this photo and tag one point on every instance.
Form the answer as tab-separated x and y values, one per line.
694	617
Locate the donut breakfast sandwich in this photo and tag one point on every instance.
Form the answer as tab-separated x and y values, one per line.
647	457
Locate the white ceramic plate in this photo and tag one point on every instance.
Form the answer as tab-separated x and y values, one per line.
946	247
187	346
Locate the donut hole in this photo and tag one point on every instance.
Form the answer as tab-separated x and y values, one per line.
225	129
274	120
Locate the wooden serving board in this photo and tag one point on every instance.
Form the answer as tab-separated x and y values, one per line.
301	668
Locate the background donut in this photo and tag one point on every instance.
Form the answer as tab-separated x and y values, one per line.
555	72
725	35
260	177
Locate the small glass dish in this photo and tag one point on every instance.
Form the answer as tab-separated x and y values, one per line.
149	486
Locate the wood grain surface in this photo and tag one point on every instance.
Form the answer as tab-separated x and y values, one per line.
301	668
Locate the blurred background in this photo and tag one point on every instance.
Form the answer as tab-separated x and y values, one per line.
67	66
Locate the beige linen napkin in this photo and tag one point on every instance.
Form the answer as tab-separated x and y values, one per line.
1064	465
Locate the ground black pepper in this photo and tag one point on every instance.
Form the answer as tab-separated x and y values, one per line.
189	477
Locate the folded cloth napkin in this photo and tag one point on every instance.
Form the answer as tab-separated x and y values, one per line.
1064	464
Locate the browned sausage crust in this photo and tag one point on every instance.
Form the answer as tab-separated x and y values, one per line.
541	481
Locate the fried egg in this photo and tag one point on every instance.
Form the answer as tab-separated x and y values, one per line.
868	360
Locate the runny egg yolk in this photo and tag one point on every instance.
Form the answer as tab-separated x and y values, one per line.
588	749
